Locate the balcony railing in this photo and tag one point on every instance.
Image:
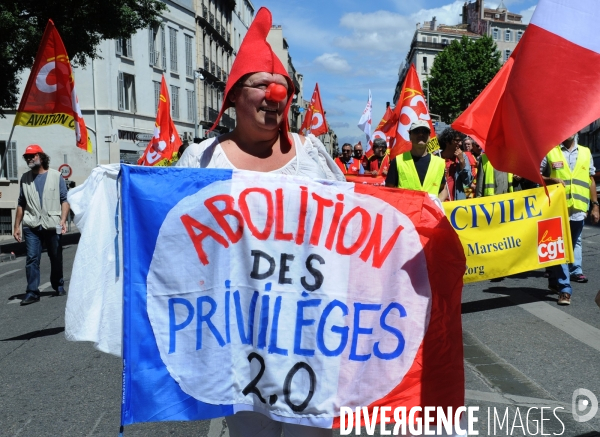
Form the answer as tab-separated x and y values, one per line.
211	19
213	69
430	45
228	122
219	73
218	26
210	114
206	63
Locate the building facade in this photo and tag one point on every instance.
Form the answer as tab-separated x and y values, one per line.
504	27
281	48
118	96
429	39
221	27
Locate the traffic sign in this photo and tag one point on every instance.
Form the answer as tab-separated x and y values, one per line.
65	171
144	137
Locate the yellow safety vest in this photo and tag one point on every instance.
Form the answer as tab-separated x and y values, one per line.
489	183
409	178
577	182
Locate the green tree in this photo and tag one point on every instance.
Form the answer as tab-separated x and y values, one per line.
82	25
459	73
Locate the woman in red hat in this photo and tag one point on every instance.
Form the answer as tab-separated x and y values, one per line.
260	89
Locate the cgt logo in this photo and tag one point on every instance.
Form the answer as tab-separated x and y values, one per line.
550	240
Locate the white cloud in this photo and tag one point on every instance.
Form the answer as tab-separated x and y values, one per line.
333	63
342	98
338	124
527	13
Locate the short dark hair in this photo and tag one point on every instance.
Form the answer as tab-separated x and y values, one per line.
347	144
447	136
379	142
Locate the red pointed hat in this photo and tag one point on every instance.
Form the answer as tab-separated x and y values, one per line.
256	55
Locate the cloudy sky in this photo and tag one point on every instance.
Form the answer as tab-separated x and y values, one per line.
351	46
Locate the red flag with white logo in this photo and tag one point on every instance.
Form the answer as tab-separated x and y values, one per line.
50	96
411	107
314	121
384	130
164	144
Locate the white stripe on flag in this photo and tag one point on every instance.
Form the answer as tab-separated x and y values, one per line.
575	21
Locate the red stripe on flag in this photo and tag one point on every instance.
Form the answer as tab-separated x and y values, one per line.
553	91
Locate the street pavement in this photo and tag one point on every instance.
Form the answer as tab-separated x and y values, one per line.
522	353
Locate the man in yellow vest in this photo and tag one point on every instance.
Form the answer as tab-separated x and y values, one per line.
43	209
417	169
571	165
491	181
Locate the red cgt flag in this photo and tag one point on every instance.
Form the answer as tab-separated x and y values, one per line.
163	147
314	121
384	130
411	106
50	96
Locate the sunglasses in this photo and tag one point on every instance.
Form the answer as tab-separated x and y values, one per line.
28	157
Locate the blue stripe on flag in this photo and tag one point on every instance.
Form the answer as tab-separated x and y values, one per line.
150	394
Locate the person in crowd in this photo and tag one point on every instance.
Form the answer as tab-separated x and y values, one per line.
418	169
42	208
458	171
571	165
491	181
360	156
182	148
261	91
472	159
379	163
347	164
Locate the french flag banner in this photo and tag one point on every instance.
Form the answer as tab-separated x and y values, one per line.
286	296
553	89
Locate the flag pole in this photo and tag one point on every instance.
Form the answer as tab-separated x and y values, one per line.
6	151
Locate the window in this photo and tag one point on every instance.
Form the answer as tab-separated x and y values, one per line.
507	54
519	35
174	101
5	221
153	54
126	91
507	35
124	47
9	171
173	49
444	41
156	95
190	106
425	64
495	33
189	70
435	39
424	39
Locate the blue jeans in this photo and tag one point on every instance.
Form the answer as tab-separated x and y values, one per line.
35	238
575	267
560	275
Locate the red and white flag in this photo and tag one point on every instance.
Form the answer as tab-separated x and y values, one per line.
50	96
411	107
365	122
385	130
314	120
553	89
163	146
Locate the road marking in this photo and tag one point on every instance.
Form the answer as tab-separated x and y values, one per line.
218	428
9	272
41	288
521	401
97	423
577	329
21	429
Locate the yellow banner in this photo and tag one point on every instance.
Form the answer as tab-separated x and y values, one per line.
432	145
512	233
28	119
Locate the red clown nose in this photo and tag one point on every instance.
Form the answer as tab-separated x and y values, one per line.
276	92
